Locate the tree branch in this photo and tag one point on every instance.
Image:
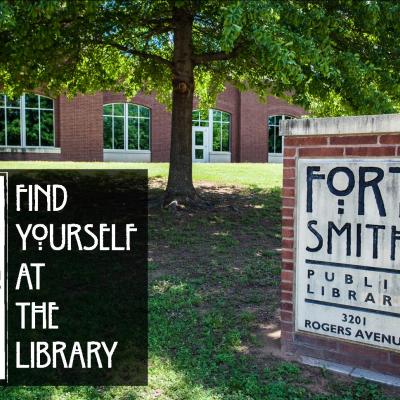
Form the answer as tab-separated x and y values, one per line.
139	53
217	56
156	31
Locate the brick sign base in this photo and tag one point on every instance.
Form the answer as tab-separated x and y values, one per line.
360	142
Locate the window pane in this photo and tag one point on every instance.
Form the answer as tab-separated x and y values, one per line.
46	128
195	115
226	117
13	127
204	115
216	137
217	115
198	141
119	109
271	121
200	118
225	137
107	132
198	154
2	127
144	112
144	134
132	134
278	142
31	100
118	133
271	131
45	102
274	140
107	109
133	110
32	127
2	100
12	103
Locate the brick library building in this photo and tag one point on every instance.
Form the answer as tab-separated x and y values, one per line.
107	127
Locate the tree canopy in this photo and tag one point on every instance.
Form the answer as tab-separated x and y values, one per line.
331	56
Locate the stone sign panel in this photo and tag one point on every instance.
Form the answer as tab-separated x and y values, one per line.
348	250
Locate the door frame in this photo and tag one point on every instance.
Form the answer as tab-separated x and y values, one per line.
204	146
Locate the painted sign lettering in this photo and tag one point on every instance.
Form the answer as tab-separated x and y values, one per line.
348	250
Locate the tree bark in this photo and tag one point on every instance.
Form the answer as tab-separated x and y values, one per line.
180	183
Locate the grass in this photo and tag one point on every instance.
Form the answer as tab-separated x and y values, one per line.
256	175
214	285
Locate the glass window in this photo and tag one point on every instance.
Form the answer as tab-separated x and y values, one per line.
27	121
32	127
200	118
274	140
119	133
198	138
46	103
2	126
221	130
199	154
126	126
107	132
31	101
13	129
46	128
133	110
107	109
144	132
220	122
216	137
118	110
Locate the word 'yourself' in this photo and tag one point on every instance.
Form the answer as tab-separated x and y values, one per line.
72	236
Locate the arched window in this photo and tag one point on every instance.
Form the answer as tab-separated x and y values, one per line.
27	121
126	126
220	121
275	144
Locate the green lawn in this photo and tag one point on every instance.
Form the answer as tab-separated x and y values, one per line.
260	175
214	278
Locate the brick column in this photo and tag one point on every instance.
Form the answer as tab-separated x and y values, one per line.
341	139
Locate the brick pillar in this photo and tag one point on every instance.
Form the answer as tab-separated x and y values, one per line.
352	143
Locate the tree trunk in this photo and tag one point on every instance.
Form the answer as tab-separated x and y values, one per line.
180	183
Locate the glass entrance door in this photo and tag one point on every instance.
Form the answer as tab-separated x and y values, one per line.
200	144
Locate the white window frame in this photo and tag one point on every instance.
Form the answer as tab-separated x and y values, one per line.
211	129
22	109
126	136
284	116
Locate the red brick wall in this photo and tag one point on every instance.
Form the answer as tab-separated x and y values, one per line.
248	122
254	124
335	350
80	128
26	156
